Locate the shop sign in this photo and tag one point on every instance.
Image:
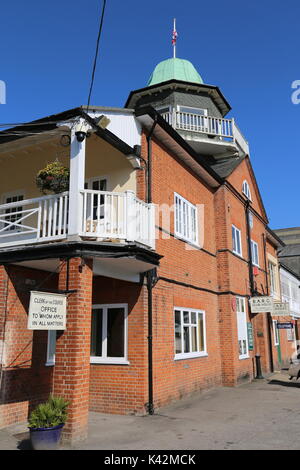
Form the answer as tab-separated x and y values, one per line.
285	326
47	311
281	309
250	336
261	304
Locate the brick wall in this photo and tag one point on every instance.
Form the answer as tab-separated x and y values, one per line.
25	379
115	388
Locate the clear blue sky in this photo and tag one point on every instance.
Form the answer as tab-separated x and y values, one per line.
249	49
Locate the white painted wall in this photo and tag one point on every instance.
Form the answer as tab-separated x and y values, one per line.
123	124
290	291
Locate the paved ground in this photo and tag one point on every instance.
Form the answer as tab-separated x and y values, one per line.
262	415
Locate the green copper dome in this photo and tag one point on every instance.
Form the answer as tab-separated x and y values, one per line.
174	69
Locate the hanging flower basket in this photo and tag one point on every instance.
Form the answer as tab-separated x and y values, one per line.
54	178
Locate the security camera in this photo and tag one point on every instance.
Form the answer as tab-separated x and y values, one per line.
80	136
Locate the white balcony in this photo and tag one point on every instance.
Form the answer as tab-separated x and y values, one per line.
208	134
103	216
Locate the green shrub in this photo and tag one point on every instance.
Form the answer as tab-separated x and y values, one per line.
51	413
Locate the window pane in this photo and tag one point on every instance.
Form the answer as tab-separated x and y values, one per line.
51	346
96	333
238	242
194	318
201	332
233	238
194	338
199	111
186	317
115	332
178	332
186	339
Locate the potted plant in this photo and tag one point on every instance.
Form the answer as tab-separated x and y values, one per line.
54	178
46	422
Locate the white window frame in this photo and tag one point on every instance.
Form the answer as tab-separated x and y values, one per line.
250	219
246	190
273	278
242	332
276	333
190	325
184	228
180	106
254	256
12	194
89	181
234	240
51	346
111	360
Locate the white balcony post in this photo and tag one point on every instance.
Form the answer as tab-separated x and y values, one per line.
130	216
77	178
152	222
233	129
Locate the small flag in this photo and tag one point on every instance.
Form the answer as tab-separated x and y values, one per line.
174	37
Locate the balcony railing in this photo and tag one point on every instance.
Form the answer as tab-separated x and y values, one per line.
34	220
103	216
225	129
112	215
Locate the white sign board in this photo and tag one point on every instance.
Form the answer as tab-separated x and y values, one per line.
261	304
281	309
47	311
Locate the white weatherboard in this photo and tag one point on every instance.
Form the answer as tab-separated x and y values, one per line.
47	311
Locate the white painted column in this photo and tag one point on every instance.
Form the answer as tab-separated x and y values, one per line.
77	178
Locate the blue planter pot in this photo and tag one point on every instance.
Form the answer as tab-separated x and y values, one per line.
45	438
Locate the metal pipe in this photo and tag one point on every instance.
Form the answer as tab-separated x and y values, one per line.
150	277
150	344
149	162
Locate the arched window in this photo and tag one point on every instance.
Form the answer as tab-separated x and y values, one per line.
246	189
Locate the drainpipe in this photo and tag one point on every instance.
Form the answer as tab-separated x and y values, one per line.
251	280
150	278
149	162
269	317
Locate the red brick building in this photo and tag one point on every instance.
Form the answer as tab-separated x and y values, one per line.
159	243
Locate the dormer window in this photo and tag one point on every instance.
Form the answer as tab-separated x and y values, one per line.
246	190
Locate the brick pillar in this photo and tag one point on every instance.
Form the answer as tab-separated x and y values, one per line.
72	358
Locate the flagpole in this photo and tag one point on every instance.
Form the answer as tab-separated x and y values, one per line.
174	45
